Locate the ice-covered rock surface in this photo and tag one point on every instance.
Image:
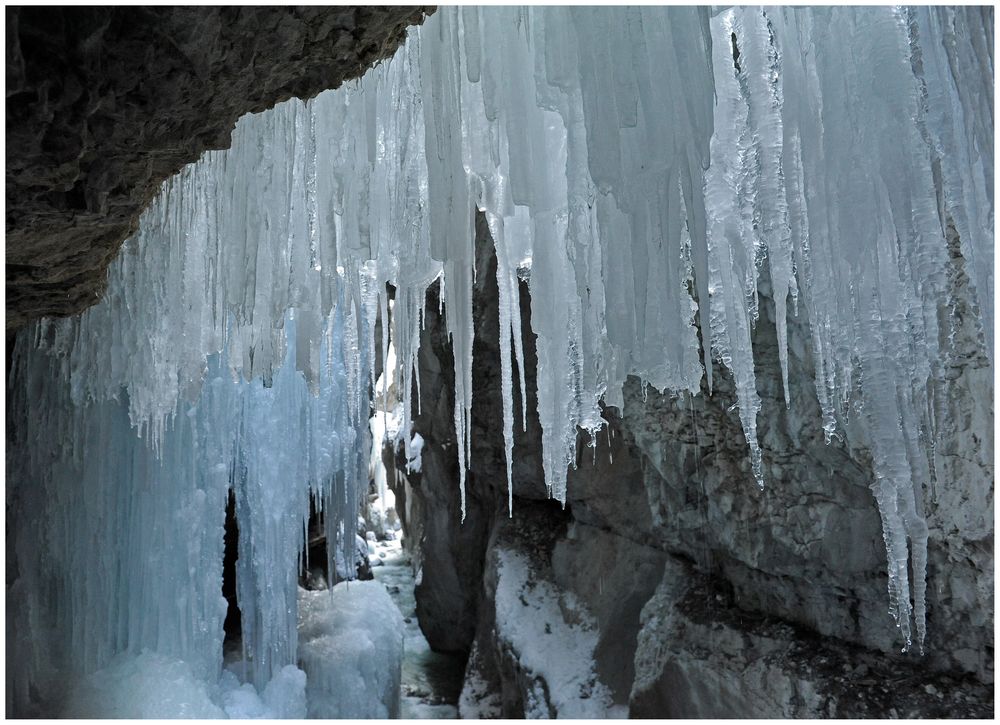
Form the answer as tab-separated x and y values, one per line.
653	173
666	483
351	649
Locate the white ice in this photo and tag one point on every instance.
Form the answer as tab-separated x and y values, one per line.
629	164
351	649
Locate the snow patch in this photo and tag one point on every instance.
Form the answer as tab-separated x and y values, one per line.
478	701
553	637
414	461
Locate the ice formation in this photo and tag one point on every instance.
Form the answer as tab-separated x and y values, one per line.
639	165
351	642
147	686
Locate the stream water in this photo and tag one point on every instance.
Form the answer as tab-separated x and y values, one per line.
431	681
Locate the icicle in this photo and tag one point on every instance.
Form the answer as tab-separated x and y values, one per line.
238	327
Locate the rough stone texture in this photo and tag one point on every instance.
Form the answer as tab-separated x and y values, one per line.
809	548
700	656
615	576
105	103
451	554
696	652
496	662
712	597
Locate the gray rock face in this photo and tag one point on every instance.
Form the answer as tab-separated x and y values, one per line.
104	103
698	655
712	598
451	553
809	548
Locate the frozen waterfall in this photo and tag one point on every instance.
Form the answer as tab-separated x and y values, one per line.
639	165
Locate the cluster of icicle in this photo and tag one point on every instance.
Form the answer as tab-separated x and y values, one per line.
644	162
119	546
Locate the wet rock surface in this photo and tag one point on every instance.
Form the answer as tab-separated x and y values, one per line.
105	103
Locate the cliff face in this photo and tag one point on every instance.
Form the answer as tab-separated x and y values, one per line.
103	104
705	596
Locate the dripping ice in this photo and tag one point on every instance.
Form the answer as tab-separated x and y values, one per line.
639	166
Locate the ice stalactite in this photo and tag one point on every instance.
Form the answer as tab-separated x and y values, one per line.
638	165
873	258
133	421
115	547
132	550
952	51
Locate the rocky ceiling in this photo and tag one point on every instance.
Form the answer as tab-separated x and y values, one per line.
105	103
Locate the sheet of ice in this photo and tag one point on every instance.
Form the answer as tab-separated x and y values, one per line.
553	636
351	648
149	575
117	548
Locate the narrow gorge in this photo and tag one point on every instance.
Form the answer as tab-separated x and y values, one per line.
500	362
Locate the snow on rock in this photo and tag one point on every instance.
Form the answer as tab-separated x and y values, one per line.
414	461
351	649
553	636
479	699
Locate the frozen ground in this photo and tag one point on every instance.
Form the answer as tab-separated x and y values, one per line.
154	685
431	681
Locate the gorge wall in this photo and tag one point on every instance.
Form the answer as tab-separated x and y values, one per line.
673	583
705	596
104	104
